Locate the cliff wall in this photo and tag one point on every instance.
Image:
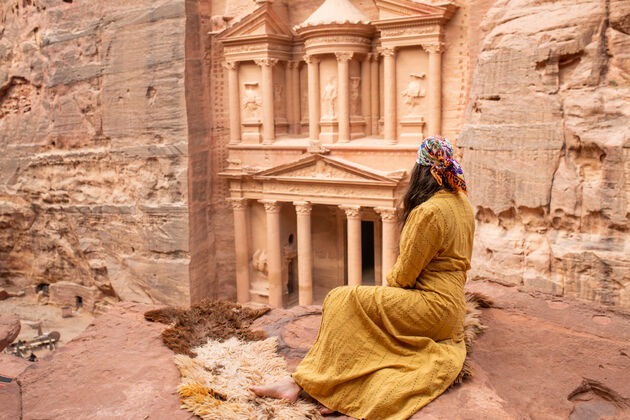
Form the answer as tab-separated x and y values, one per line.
94	134
546	147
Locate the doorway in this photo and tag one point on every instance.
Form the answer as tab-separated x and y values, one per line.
367	253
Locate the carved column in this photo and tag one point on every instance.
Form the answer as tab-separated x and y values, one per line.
239	205
353	214
234	98
365	93
390	244
374	99
266	65
293	95
389	77
313	96
305	252
343	96
435	88
274	252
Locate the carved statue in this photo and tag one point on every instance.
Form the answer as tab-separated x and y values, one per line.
413	93
278	100
252	103
329	99
354	95
259	261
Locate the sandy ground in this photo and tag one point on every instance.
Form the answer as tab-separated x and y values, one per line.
30	313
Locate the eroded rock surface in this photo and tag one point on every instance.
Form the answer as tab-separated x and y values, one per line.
9	330
546	147
94	139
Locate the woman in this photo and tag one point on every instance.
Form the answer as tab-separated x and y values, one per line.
385	352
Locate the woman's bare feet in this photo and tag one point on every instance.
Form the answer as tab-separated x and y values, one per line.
285	389
324	411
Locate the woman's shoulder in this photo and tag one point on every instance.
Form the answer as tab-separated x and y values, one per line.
440	204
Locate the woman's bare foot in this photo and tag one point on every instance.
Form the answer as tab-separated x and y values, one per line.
324	411
285	389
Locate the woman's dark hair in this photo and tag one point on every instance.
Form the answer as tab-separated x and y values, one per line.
422	186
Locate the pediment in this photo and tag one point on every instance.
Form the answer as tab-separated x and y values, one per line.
389	9
262	22
320	168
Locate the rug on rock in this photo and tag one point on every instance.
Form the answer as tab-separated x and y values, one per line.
220	357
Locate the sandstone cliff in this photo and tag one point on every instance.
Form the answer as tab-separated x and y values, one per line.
94	140
546	147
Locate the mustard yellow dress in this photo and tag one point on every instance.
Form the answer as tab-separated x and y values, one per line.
385	352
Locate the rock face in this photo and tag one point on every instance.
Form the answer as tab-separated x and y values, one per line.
9	330
119	367
96	146
546	147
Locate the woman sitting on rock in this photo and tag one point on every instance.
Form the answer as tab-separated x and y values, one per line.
385	352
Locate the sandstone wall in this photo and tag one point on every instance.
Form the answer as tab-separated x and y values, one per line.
94	133
546	147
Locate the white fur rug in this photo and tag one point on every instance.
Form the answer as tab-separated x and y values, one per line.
215	384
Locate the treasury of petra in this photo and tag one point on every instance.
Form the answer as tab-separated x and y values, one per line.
165	152
323	118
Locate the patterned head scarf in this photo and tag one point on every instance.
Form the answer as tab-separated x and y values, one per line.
437	152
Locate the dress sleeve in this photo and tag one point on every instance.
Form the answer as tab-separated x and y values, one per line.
420	241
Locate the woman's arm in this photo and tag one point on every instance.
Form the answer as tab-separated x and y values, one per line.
420	241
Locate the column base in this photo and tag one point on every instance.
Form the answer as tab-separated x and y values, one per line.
251	132
282	126
357	127
412	129
329	131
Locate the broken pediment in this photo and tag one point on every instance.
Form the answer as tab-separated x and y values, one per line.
322	168
391	9
261	23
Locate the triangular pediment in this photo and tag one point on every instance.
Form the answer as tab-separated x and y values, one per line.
402	8
321	168
261	22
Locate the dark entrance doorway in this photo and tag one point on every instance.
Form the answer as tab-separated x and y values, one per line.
367	252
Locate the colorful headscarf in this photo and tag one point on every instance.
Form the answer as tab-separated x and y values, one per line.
437	152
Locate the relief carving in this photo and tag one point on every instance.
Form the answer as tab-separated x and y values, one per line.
278	100
413	93
259	261
252	102
329	99
355	82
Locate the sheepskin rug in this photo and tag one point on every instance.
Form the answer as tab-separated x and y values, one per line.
216	376
215	384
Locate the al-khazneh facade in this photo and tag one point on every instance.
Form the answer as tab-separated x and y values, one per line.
324	121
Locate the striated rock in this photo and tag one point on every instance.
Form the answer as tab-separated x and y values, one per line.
94	132
9	330
545	143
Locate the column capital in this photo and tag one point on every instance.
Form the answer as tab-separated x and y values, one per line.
311	59
293	64
344	56
388	214
270	62
271	206
238	203
303	207
352	212
230	65
434	47
387	51
374	56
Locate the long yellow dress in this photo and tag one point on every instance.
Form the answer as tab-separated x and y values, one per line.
385	352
